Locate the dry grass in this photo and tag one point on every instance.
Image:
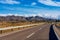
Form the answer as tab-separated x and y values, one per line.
8	24
15	29
58	24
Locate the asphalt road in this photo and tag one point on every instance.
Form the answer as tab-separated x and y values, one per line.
41	32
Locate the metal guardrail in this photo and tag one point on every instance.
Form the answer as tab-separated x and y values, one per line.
54	27
13	28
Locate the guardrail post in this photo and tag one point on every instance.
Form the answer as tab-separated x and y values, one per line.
11	29
0	31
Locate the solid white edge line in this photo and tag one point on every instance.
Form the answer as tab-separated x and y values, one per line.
56	34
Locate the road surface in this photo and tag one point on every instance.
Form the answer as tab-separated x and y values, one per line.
41	32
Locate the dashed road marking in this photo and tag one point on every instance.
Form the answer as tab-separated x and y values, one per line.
30	34
40	28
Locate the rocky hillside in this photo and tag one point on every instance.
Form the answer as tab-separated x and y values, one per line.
24	19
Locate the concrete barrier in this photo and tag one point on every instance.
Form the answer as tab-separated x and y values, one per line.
57	32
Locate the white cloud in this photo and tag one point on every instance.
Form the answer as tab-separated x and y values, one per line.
44	15
9	14
51	16
34	3
27	15
50	2
40	14
9	2
3	15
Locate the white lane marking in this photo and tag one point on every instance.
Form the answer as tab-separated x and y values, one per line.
30	34
33	33
40	28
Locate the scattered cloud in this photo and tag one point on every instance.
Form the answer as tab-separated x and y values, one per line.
3	15
34	3
49	2
27	15
51	16
9	14
9	2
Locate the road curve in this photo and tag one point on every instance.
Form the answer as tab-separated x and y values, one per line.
52	35
41	32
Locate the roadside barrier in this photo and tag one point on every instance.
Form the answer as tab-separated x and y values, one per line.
14	28
56	32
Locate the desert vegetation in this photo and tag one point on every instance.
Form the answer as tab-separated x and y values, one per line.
7	21
13	21
57	24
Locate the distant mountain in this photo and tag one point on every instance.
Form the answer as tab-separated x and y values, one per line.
24	19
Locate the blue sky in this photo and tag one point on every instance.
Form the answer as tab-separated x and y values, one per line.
45	8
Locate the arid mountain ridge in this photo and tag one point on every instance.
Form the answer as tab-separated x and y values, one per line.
24	19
